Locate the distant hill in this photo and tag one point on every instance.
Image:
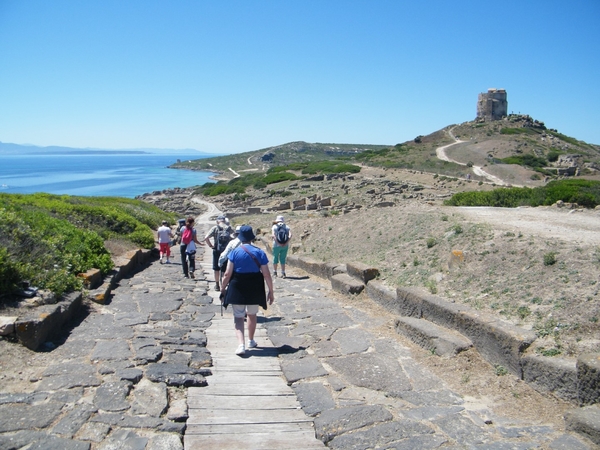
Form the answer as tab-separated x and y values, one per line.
27	149
517	149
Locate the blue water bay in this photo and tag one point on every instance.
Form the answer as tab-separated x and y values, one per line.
122	175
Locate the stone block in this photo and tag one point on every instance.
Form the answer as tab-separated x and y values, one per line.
298	203
409	302
585	421
283	206
345	284
556	375
92	278
362	271
384	295
7	325
497	341
432	337
46	321
253	210
309	265
588	376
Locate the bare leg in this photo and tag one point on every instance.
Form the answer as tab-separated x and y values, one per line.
251	326
217	276
239	329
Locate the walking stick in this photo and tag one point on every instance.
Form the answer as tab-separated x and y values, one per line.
222	298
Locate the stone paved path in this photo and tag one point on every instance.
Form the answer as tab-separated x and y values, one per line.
119	379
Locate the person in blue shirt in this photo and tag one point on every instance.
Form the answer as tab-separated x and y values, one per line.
243	286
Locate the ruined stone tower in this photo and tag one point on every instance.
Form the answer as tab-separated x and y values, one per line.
492	105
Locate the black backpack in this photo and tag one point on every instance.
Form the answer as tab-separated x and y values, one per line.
223	236
282	234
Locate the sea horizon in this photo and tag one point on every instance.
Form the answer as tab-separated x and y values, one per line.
119	175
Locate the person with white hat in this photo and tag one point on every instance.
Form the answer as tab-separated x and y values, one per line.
282	235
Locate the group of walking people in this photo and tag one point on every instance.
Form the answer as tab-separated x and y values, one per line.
241	269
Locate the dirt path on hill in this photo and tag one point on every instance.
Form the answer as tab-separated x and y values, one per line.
477	170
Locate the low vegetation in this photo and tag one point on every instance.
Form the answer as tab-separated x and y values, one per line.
583	192
274	175
49	239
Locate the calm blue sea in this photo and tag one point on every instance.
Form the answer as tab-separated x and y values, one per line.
95	175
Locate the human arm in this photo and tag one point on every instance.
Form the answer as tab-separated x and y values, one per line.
207	237
224	254
194	236
267	275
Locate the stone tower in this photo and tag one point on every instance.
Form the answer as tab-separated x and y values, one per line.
492	105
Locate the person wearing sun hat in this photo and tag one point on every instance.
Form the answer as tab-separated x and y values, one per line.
243	286
282	234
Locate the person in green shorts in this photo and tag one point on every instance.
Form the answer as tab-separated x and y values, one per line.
282	235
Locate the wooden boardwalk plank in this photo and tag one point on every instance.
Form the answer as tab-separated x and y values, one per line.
225	402
255	441
247	403
250	416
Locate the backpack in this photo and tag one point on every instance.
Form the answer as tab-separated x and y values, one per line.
223	236
187	236
282	234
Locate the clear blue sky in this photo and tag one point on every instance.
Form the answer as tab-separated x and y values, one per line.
230	76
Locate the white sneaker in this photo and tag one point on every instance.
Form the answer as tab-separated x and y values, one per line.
252	343
240	350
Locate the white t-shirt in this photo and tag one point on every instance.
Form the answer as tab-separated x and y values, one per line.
164	234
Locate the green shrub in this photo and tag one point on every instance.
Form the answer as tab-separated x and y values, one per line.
583	192
550	259
553	156
278	177
523	312
517	131
525	160
330	167
500	370
49	239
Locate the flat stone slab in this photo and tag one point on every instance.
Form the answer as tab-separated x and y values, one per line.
28	417
334	422
149	398
313	397
373	371
175	375
386	435
112	396
299	369
352	340
111	350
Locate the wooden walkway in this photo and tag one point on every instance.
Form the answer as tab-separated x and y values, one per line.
247	403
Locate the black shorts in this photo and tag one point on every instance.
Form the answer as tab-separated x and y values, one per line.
216	255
